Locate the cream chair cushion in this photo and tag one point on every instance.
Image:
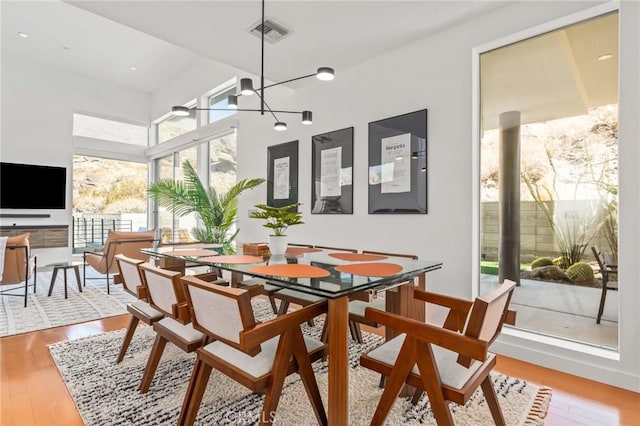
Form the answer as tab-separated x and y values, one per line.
185	331
256	366
144	309
452	374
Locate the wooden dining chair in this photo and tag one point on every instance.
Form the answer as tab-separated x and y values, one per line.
607	272
366	299
140	310
258	356
166	295
446	363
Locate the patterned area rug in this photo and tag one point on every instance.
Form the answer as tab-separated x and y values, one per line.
46	312
106	392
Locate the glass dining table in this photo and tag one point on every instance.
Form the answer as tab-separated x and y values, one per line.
330	274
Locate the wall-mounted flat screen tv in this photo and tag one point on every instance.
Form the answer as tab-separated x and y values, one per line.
31	186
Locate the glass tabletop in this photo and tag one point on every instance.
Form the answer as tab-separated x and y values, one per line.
332	276
63	264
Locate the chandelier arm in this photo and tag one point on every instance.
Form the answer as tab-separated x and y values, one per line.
288	81
279	111
264	103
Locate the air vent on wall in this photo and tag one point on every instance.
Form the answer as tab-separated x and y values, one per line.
272	32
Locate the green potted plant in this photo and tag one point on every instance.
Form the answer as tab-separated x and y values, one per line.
217	212
278	219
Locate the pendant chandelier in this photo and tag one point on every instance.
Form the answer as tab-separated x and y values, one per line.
247	89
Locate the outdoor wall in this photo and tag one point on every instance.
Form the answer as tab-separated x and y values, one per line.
38	103
536	235
436	73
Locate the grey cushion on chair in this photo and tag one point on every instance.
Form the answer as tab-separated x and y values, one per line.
357	307
256	366
185	331
452	374
259	281
144	309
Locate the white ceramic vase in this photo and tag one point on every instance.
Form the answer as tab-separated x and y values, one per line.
277	245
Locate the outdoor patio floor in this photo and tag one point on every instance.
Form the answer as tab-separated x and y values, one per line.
563	310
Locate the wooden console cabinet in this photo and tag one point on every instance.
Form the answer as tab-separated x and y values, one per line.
44	236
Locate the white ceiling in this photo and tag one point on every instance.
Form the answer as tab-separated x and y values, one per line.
162	38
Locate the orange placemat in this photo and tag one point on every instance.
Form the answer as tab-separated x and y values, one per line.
193	253
379	269
293	270
233	259
355	257
297	251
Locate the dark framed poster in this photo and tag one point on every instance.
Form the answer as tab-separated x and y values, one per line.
332	172
282	174
398	164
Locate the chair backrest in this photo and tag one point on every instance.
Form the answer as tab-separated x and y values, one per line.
220	312
165	291
489	312
129	270
127	243
408	256
337	248
17	264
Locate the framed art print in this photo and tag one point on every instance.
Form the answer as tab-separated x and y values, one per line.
282	174
332	172
398	164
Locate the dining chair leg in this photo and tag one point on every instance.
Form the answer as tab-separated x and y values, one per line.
492	401
356	334
108	291
133	323
404	364
278	374
432	385
195	391
152	363
603	297
305	370
274	307
284	307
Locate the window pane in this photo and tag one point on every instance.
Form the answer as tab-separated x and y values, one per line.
176	229
222	163
117	131
176	126
549	177
107	194
220	101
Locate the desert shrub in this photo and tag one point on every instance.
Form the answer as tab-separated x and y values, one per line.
541	261
580	272
561	261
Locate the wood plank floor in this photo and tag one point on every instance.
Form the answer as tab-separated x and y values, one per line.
33	393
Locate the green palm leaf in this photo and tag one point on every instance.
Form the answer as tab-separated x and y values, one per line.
216	211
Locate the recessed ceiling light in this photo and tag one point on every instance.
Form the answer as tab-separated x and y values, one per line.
133	68
23	35
605	57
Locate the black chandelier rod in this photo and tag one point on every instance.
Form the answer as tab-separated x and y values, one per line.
262	103
246	110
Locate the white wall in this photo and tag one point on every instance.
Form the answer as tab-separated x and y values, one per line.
436	73
38	103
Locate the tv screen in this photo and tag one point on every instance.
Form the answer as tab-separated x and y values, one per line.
30	186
